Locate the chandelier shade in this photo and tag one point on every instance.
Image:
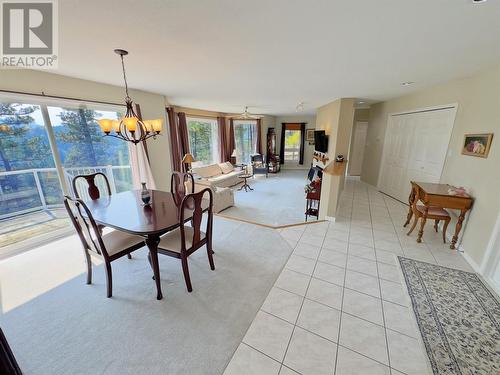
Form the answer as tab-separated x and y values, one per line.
130	127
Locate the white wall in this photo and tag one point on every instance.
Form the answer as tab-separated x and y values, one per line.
152	106
478	99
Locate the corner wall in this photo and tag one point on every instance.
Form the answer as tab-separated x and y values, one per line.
336	118
478	99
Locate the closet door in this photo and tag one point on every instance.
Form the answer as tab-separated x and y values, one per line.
432	136
397	151
415	149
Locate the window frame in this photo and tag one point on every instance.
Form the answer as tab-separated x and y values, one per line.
253	151
44	103
214	138
294	151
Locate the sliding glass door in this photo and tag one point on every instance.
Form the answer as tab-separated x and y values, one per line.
42	146
83	148
26	165
245	139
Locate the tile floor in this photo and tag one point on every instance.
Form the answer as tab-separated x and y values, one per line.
340	305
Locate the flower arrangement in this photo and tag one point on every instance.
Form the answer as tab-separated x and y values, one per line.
457	190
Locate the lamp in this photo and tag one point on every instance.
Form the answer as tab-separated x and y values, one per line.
130	128
187	160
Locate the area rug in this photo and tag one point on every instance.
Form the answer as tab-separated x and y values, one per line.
458	318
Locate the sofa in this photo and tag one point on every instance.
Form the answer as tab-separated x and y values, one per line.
217	175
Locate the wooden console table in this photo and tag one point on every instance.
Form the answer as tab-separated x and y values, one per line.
436	195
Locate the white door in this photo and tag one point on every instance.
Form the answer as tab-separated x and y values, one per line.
358	148
397	149
415	149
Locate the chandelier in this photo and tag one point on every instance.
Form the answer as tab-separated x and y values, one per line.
130	128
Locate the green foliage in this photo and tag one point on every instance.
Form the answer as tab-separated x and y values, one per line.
24	145
83	143
245	141
200	134
292	138
14	123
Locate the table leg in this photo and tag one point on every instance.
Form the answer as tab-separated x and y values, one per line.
458	228
422	224
411	198
152	243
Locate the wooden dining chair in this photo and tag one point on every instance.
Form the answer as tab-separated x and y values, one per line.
184	240
433	213
8	363
107	247
84	185
180	183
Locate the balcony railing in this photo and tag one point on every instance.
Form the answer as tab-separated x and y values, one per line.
31	190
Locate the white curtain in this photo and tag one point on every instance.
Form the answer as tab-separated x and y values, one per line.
141	171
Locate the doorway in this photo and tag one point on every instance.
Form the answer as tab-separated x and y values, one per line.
357	148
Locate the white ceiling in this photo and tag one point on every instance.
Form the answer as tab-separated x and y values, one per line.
270	55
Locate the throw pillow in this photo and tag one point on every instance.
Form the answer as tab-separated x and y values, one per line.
226	167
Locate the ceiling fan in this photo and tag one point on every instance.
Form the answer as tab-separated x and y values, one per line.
246	115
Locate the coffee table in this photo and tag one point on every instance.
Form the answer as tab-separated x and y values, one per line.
245	182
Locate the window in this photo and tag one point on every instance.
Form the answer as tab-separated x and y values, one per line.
292	146
27	171
30	189
245	139
203	135
83	149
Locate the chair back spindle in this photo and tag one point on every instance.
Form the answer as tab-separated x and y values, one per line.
85	225
89	186
415	193
194	203
178	188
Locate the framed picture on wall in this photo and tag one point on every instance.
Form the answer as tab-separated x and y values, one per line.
477	144
310	136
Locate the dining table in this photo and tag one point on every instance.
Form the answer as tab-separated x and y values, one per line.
126	212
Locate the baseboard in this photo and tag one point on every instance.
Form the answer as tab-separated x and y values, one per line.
330	218
464	253
472	263
477	269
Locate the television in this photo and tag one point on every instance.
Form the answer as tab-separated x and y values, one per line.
320	141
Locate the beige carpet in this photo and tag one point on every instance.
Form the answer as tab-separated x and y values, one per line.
276	200
58	325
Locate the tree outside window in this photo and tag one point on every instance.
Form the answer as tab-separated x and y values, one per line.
292	145
203	140
27	167
245	139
